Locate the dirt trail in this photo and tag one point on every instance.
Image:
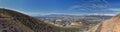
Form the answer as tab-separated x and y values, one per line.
111	25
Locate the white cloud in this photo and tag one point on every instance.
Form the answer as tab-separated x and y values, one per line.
114	9
101	14
91	5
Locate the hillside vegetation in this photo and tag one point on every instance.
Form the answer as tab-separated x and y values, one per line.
25	23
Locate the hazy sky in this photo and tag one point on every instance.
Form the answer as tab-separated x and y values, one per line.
73	7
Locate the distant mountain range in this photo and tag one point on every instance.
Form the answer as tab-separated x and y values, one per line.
62	16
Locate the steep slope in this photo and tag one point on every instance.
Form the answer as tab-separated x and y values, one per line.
8	24
29	24
111	25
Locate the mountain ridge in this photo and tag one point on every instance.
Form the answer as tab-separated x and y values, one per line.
32	24
28	21
8	24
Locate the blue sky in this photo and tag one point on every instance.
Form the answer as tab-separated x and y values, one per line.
72	7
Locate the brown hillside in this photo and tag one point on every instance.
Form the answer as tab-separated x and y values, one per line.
12	21
111	25
34	24
8	24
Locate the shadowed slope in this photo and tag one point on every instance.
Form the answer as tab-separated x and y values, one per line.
8	24
32	23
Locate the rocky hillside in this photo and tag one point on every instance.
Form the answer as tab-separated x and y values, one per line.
12	21
111	25
9	24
